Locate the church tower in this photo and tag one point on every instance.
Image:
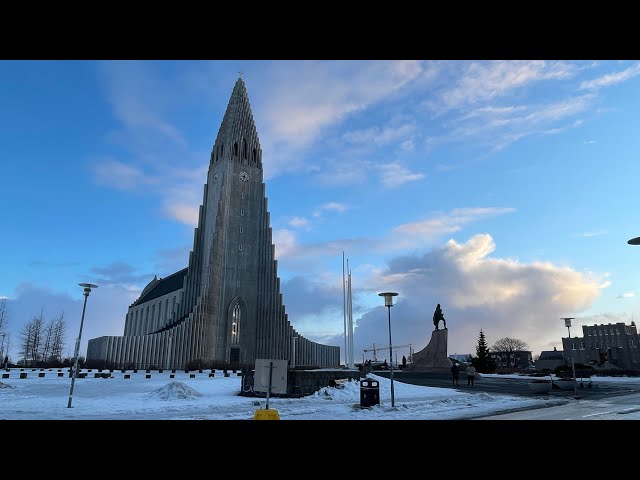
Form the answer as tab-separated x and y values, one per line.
225	308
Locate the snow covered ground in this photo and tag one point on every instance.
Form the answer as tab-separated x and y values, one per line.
216	398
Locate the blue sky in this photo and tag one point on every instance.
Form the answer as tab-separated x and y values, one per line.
502	190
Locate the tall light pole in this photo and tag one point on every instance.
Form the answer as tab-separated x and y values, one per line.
388	302
87	291
567	323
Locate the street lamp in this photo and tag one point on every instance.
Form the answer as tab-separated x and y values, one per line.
567	323
388	302
87	291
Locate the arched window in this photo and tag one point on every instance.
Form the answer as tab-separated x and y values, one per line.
244	148
221	150
235	149
254	155
235	324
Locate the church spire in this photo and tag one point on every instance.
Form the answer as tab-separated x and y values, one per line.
237	138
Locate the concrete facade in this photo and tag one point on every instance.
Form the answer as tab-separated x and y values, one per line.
225	308
611	345
433	357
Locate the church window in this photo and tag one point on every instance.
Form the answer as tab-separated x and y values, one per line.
242	212
244	148
235	149
241	230
240	247
254	155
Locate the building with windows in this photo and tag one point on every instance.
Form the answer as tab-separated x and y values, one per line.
516	359
225	307
550	360
612	345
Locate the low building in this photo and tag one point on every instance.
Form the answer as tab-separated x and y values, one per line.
609	346
515	359
550	360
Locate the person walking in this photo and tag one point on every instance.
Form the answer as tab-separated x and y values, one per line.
455	373
471	375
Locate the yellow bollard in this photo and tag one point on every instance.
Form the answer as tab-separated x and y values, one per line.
266	414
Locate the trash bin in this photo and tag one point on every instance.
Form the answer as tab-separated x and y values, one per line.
369	392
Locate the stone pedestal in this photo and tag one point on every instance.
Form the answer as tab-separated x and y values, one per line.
433	357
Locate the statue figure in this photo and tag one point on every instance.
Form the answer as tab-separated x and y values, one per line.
437	316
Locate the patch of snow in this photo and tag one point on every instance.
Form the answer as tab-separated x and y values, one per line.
174	391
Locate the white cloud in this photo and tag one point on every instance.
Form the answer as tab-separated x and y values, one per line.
589	142
116	174
627	295
135	95
299	222
285	242
499	127
394	175
341	173
330	207
611	78
481	82
304	98
313	94
502	297
415	233
380	136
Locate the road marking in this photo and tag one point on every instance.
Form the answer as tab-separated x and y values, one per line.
630	410
594	414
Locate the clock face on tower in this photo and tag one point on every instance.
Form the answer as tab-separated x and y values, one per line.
244	176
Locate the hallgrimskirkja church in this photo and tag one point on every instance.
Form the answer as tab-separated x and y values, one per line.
225	308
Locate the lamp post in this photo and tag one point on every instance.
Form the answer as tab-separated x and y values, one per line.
567	323
388	302
87	291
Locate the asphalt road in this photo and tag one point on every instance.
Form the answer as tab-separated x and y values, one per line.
510	386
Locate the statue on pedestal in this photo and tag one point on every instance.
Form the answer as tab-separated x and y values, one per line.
437	316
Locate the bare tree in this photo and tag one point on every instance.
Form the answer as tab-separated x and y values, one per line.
4	315
26	342
37	342
508	346
47	341
31	341
59	332
4	321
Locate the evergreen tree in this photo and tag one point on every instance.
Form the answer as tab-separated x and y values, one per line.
483	362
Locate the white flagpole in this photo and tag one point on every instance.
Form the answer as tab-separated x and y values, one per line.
344	309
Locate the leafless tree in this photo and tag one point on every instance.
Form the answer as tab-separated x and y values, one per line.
31	340
4	315
26	342
59	332
4	321
508	346
47	341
